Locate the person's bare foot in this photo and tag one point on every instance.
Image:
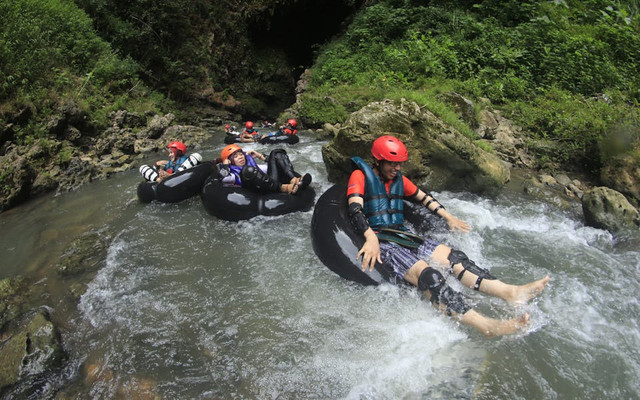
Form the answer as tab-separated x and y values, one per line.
508	327
524	293
491	327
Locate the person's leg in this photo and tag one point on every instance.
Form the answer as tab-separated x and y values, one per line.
149	173
431	283
191	161
472	276
253	178
281	169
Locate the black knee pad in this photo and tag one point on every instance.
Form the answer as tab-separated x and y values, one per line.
280	166
434	282
249	173
254	179
459	257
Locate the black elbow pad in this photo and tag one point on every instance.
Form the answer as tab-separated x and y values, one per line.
358	219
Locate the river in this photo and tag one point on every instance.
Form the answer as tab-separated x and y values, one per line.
191	307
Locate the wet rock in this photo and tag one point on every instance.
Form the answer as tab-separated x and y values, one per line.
545	188
18	175
440	157
77	289
563	179
622	173
606	208
13	292
87	253
81	170
144	145
32	348
44	182
159	124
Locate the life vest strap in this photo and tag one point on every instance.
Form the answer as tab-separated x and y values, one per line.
401	237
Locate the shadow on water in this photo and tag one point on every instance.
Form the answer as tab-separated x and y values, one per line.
188	306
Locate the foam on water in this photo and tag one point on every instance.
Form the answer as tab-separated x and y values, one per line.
196	307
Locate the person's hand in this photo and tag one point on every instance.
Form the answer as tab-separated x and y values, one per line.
161	163
227	162
370	251
255	154
456	224
162	174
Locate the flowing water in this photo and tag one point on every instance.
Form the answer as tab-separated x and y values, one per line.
191	307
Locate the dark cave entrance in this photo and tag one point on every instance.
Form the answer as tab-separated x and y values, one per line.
299	29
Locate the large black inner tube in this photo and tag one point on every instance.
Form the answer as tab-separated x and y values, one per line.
178	187
234	203
335	242
230	138
282	139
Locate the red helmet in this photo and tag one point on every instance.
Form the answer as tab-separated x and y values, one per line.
229	150
178	148
292	122
249	125
389	148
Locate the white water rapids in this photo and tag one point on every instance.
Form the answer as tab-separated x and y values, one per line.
191	307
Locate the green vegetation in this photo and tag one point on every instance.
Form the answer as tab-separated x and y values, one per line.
50	56
565	70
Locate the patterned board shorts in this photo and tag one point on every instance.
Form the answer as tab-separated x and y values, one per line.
401	258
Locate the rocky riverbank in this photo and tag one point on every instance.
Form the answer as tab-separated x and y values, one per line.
442	158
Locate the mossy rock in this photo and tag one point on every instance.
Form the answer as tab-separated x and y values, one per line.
87	253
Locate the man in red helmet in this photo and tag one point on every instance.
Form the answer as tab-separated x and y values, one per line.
290	128
375	197
178	161
250	134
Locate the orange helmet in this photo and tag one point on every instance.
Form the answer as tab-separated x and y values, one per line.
178	148
292	122
229	150
249	125
389	148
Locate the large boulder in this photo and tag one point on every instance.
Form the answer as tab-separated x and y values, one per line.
608	209
440	157
622	173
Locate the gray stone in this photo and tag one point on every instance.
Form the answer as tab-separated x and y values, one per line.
440	157
31	349
606	208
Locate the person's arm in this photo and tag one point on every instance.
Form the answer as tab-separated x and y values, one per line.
370	251
257	155
161	163
433	205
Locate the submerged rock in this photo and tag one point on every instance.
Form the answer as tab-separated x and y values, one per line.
87	253
32	348
12	297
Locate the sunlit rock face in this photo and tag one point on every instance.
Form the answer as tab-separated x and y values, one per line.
440	157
